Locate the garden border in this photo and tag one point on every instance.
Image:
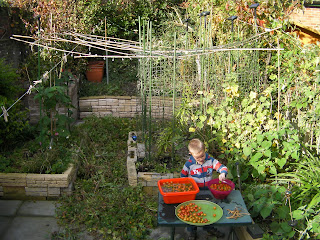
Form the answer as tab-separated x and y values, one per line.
37	186
124	106
148	180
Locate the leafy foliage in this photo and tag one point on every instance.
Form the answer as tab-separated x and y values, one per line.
51	97
268	132
17	128
31	158
266	201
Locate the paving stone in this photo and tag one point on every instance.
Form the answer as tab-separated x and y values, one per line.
33	220
9	208
31	228
4	225
37	208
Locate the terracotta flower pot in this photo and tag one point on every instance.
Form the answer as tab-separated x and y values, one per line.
95	71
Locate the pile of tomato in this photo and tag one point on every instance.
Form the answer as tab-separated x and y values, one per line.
192	213
221	187
176	187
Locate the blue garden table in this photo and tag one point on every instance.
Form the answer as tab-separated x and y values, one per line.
167	217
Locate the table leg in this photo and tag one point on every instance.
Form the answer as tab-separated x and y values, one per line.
173	230
231	233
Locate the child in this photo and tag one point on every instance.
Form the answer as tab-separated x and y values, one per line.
200	167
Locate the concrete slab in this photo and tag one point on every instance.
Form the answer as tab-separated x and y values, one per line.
37	208
4	224
31	228
9	208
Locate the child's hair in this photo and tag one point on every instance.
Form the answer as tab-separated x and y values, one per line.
196	146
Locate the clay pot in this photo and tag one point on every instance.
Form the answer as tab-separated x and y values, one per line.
95	70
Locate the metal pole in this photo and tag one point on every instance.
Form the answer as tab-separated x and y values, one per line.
232	18
238	175
254	6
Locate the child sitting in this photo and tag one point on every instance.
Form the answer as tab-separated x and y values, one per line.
200	167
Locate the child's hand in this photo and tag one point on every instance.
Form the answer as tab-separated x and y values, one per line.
222	177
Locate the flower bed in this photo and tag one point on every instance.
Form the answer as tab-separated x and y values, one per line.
37	186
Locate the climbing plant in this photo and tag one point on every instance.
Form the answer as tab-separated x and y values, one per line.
55	104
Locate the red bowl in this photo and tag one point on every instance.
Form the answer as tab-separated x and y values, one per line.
178	197
220	194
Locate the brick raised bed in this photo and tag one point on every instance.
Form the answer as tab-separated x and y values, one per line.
37	186
124	106
149	180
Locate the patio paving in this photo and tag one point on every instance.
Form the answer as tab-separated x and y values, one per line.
35	220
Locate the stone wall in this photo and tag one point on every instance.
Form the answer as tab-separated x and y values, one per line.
36	186
124	106
148	180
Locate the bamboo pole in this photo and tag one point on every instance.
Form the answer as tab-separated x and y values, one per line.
279	92
150	90
174	93
107	66
144	99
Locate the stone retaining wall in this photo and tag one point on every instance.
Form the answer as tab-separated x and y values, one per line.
124	106
149	180
36	186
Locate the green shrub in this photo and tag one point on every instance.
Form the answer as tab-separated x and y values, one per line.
16	130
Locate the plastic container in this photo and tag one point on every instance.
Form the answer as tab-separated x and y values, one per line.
178	197
220	194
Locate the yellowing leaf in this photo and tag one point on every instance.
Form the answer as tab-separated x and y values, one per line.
192	129
253	95
210	121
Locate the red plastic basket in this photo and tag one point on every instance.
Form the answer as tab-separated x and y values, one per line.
178	197
220	194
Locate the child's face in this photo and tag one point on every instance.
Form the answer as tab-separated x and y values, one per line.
199	157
